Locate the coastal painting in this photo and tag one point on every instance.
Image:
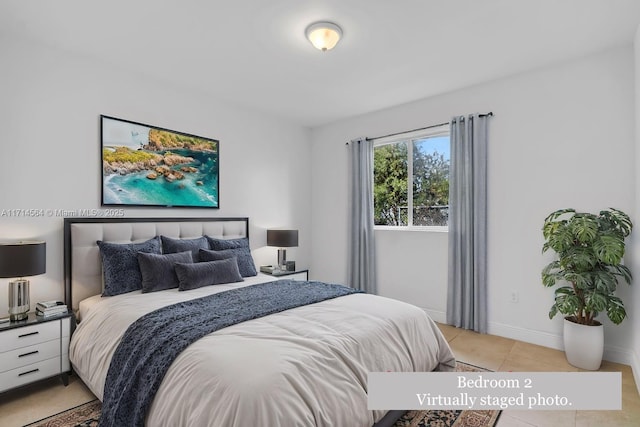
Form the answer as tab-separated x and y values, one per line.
145	165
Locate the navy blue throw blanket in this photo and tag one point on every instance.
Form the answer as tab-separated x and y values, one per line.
151	343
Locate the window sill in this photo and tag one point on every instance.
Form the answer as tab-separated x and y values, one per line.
431	229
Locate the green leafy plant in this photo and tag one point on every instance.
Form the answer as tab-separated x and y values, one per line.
590	249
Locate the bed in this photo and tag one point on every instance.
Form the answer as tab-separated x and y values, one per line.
306	366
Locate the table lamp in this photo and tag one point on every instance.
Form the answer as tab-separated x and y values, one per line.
21	259
282	239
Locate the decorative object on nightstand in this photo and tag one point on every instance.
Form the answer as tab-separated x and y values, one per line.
282	239
50	308
21	259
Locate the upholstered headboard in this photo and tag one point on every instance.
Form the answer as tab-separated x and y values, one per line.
82	265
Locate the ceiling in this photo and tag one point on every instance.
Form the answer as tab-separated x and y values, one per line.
253	53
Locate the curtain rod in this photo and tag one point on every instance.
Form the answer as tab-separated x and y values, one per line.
490	113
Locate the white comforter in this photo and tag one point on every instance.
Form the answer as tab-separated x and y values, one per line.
303	367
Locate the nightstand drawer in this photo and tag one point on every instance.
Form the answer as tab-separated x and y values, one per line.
28	355
29	335
26	374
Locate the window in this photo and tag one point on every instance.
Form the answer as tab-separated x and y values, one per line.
411	179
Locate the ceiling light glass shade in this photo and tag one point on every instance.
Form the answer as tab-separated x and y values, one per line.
324	35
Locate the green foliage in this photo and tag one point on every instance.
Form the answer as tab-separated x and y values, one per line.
390	188
390	172
166	139
124	155
430	179
590	249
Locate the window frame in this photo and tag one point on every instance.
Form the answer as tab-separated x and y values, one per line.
409	138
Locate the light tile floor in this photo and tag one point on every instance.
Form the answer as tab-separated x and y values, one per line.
503	354
40	400
49	397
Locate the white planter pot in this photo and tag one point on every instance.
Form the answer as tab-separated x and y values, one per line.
583	345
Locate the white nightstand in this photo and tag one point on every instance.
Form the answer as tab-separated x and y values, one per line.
301	275
33	349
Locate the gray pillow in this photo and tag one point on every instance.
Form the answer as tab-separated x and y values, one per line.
158	272
193	276
246	265
120	265
170	245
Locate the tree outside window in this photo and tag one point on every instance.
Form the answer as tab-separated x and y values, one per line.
427	175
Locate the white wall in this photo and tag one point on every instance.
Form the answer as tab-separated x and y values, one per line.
633	309
417	259
561	137
50	151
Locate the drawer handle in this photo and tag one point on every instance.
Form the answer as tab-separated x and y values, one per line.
29	354
29	334
28	372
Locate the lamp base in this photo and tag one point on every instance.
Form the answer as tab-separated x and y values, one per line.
19	305
17	317
282	259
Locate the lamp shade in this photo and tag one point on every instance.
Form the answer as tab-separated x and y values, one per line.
22	259
282	238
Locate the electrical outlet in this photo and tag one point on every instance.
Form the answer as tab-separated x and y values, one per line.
514	296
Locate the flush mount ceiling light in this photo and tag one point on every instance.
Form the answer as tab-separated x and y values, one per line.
323	35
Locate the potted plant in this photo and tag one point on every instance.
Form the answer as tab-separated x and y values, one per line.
590	249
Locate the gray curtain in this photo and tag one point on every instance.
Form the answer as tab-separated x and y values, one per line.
467	287
361	242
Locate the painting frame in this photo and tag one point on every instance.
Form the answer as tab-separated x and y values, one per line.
150	166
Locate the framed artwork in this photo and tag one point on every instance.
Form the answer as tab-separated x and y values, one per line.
145	165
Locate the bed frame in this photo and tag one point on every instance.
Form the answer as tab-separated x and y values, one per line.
82	266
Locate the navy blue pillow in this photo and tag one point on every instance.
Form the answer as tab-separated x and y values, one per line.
170	245
193	276
158	272
222	244
120	265
246	265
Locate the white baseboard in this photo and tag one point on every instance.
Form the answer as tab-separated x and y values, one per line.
618	355
534	337
635	368
546	339
438	316
611	353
